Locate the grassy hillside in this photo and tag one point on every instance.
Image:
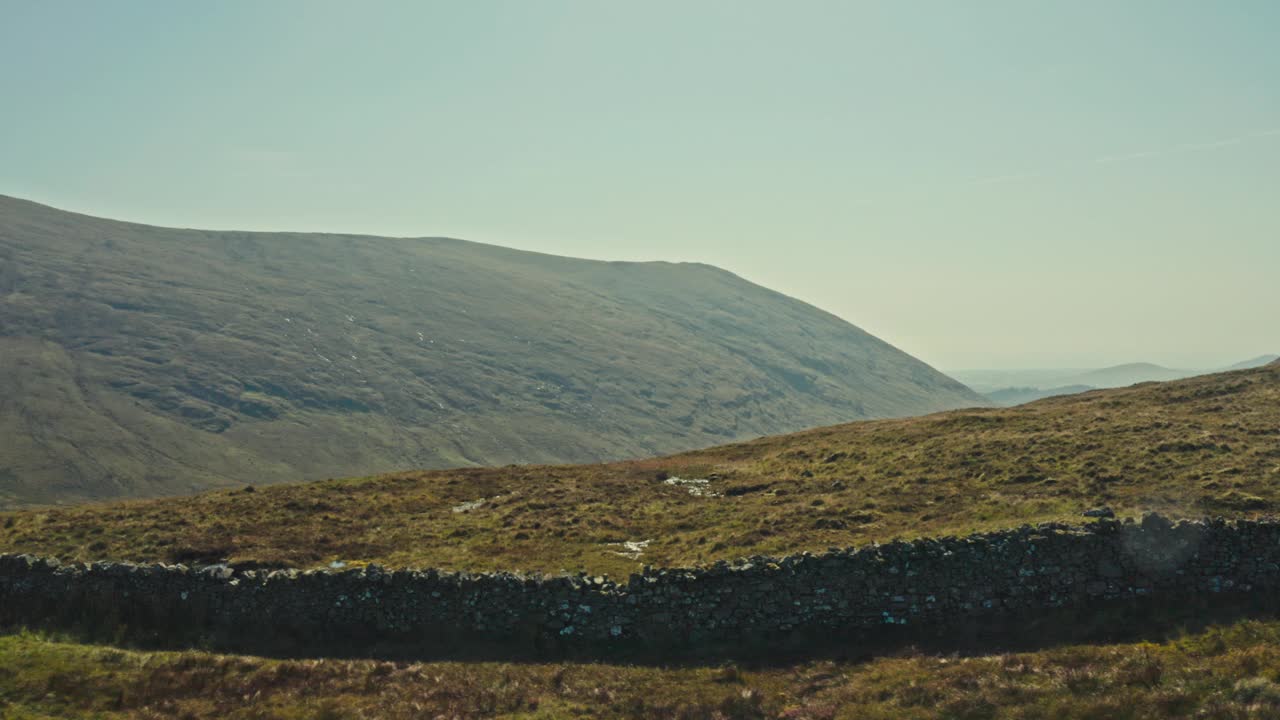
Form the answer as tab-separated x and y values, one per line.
1226	672
139	360
1205	445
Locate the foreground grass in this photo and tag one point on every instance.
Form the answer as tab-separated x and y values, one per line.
1203	446
1224	672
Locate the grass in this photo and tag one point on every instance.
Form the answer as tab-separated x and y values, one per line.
1195	447
1230	671
140	361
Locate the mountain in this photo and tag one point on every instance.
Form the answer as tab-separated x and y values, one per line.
1128	374
1014	387
987	381
1189	448
1008	397
1259	361
142	360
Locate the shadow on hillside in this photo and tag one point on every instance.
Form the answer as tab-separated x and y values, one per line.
1117	622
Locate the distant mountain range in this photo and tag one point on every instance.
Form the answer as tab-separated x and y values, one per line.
1008	397
1259	361
138	360
1014	387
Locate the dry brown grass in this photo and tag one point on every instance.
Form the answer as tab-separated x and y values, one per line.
1208	445
1225	672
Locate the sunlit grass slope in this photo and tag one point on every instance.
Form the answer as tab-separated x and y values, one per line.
1195	447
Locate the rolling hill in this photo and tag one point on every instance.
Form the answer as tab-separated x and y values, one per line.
1008	397
138	360
993	381
1006	388
1259	361
1208	445
1128	374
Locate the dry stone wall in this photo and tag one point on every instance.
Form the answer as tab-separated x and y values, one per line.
923	586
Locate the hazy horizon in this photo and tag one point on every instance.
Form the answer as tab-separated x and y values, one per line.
986	187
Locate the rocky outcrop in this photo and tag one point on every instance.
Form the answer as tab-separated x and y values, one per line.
925	585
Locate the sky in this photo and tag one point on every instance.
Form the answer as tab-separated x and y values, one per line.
986	184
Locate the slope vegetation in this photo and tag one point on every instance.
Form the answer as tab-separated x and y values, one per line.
1208	445
139	360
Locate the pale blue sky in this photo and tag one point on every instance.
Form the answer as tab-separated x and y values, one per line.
984	184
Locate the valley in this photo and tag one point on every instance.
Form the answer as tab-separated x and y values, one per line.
559	360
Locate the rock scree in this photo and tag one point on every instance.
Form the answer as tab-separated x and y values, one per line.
875	591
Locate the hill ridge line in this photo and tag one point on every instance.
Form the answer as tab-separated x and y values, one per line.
144	361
